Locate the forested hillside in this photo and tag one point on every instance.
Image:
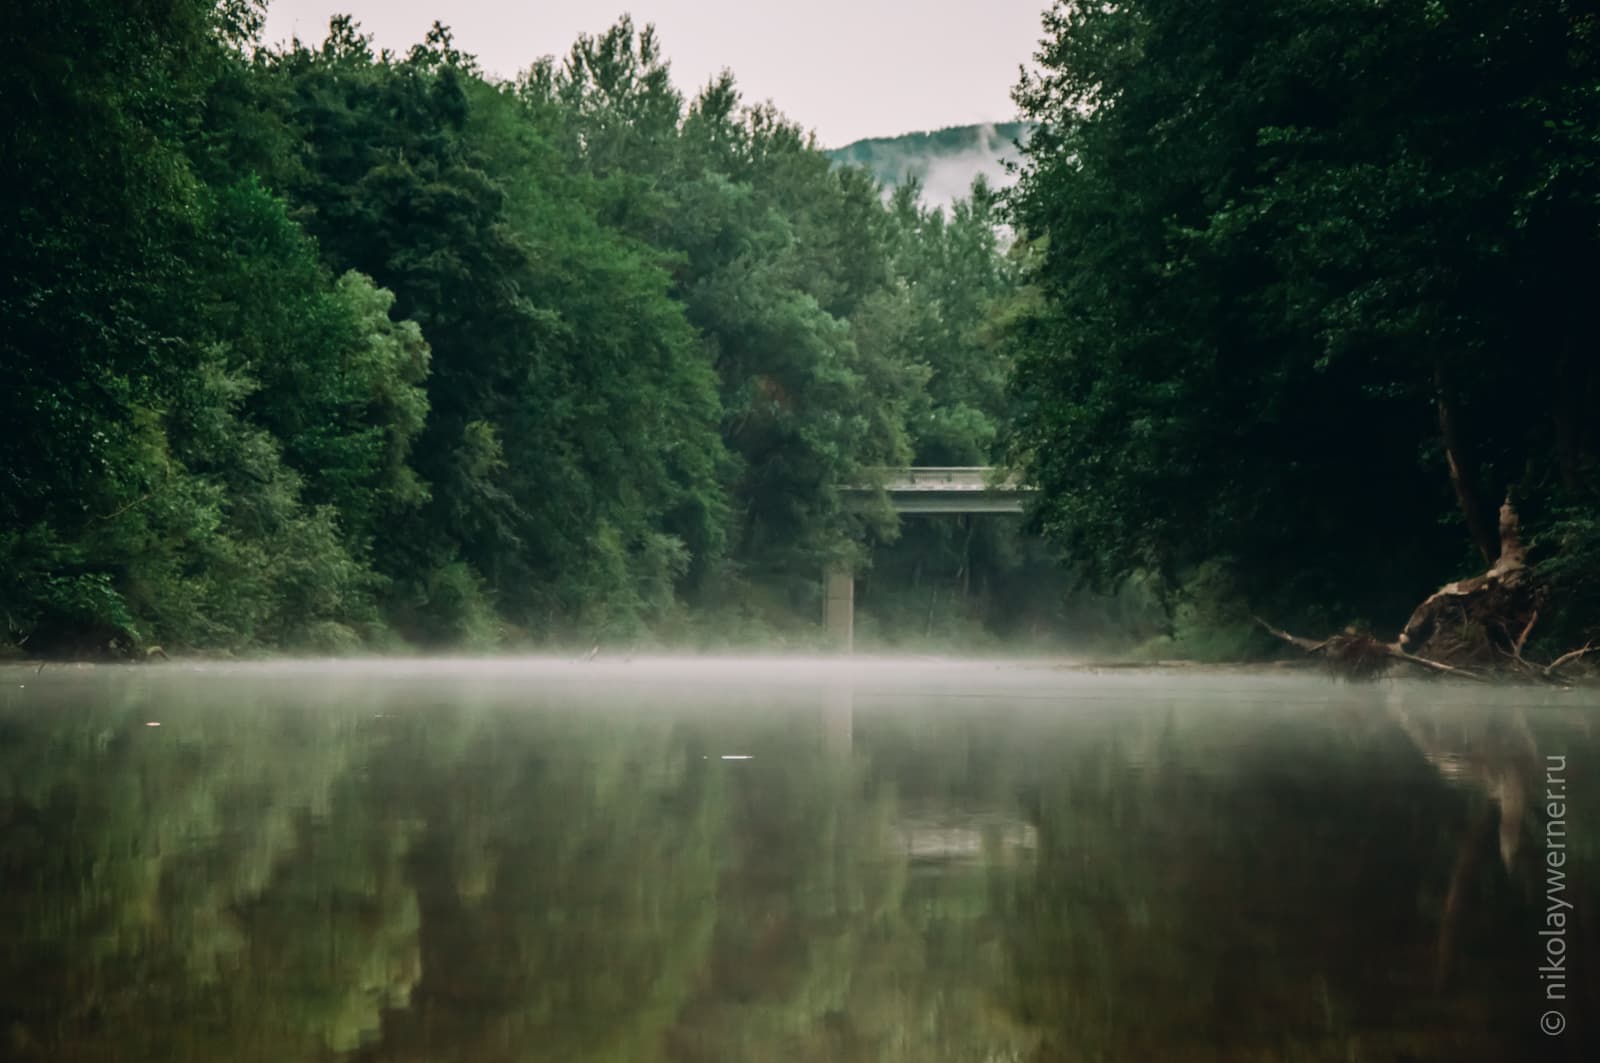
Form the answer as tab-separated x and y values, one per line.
327	347
944	163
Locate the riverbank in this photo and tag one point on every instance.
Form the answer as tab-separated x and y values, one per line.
806	665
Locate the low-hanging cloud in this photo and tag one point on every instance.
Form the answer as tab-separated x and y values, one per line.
945	162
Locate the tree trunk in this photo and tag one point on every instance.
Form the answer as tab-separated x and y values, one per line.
1462	471
1568	416
1477	618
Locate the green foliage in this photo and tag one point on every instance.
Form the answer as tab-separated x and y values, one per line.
771	252
449	606
1276	249
1206	620
1569	548
325	347
572	430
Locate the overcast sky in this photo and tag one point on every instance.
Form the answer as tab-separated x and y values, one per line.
845	68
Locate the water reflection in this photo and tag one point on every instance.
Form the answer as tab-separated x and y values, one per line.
559	862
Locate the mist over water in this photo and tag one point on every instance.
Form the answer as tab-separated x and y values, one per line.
781	859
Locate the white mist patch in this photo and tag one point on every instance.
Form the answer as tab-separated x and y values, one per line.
947	178
610	680
944	174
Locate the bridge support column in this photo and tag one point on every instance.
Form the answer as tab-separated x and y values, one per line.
839	606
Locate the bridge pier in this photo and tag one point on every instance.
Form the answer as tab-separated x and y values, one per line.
839	606
916	489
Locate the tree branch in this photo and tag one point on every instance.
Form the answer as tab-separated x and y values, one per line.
1308	645
1369	647
1565	658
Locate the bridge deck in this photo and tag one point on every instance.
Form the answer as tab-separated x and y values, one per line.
948	489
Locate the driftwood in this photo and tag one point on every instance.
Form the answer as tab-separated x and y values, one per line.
1463	629
1361	656
1567	658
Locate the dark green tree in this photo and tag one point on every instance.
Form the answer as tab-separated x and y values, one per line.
1308	280
571	448
193	401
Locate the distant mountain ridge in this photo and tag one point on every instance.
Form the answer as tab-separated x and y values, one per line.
945	161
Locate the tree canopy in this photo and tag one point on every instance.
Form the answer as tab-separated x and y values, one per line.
1309	279
324	346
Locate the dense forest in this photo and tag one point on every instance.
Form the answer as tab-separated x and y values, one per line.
1308	307
320	347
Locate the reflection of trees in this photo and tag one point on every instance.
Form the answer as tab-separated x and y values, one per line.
1274	899
386	878
265	882
567	869
160	880
355	880
830	944
1493	755
793	899
1491	752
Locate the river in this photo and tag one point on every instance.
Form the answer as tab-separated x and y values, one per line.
691	860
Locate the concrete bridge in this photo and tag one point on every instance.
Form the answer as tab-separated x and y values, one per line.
947	489
916	489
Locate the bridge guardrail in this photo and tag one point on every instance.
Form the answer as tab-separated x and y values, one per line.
942	478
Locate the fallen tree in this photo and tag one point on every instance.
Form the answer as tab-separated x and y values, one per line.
1472	629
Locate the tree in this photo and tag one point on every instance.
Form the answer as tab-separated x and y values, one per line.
571	447
152	348
1302	310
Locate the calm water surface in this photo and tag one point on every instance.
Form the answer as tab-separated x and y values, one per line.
789	861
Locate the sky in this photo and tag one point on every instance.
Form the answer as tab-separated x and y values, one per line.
847	69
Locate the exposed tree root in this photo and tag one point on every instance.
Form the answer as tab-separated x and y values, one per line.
1464	629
